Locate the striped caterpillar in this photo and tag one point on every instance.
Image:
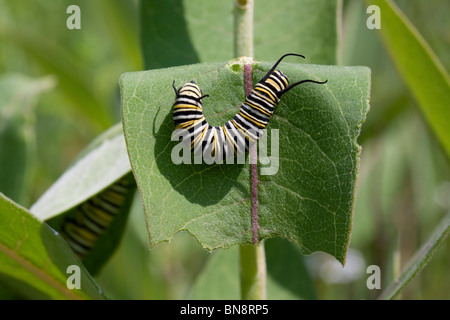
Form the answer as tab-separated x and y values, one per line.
93	217
235	136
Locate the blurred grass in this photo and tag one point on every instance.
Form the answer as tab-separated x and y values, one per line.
403	171
421	70
402	165
86	64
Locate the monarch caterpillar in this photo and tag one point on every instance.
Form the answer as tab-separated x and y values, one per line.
247	126
93	217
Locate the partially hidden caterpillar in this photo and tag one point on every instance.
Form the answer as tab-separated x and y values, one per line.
92	218
234	137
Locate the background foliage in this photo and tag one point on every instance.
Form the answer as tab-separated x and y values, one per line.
404	178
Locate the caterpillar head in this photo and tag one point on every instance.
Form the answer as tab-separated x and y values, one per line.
189	90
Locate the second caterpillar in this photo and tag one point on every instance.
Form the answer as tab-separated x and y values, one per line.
235	136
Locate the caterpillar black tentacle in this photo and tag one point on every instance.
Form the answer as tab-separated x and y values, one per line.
234	137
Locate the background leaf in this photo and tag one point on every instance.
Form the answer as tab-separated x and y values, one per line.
104	162
287	277
18	97
318	157
428	80
219	278
72	75
201	31
34	254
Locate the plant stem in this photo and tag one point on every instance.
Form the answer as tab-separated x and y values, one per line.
254	172
253	161
252	257
243	28
253	260
253	272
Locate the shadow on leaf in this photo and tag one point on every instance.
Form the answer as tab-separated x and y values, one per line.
199	183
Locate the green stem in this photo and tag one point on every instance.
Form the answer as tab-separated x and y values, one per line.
243	28
253	272
252	257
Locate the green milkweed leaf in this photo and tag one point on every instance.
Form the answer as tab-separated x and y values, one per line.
34	254
103	162
310	199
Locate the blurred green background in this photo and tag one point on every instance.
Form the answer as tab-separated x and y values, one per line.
68	81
